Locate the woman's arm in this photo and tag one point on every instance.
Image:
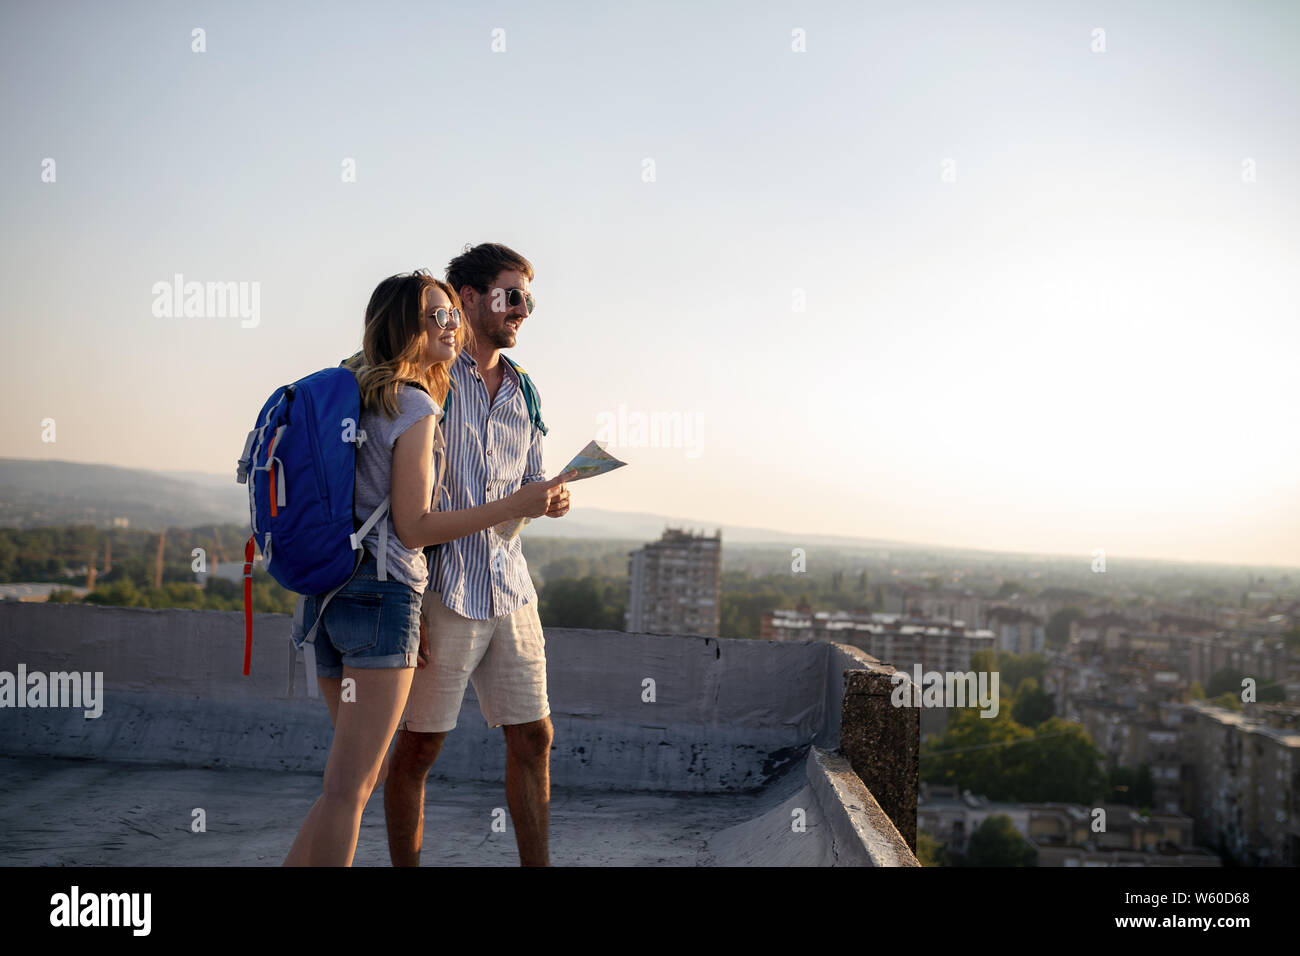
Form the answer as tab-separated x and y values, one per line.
412	487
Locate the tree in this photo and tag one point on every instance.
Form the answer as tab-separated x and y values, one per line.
999	758
929	851
973	753
117	593
1059	765
1032	705
985	661
569	566
580	603
997	843
1015	668
1058	626
742	614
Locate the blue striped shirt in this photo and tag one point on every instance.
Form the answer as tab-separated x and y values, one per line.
492	451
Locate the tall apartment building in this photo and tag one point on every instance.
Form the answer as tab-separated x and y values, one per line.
1247	782
674	585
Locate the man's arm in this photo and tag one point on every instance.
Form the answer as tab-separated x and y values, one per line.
559	505
418	526
533	461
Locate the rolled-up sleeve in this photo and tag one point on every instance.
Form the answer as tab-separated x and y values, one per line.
533	464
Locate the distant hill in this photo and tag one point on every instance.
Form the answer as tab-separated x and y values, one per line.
35	493
643	526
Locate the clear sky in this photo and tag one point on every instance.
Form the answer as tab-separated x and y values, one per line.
1049	295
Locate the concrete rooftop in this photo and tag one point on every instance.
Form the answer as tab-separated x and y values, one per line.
742	736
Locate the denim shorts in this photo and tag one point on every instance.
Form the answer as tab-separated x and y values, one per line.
369	623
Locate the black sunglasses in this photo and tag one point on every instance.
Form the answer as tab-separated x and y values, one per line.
515	297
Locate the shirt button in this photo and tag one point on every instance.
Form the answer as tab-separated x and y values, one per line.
489	451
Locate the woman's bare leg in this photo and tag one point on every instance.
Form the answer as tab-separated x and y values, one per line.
329	689
363	730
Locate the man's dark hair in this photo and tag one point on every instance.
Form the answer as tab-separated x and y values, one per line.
478	266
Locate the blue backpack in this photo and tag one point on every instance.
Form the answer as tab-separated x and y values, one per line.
299	463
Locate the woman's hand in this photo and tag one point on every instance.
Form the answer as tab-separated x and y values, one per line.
534	499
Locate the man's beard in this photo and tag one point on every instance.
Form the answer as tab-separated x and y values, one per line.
501	338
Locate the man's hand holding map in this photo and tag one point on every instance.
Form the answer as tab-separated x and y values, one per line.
591	461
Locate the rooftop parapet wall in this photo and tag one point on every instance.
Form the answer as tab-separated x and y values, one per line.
726	714
883	744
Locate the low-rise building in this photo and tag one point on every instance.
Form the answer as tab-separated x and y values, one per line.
903	642
1067	834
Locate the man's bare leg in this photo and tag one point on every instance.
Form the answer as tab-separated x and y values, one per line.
413	757
528	788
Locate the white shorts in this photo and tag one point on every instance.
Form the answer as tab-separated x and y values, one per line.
504	656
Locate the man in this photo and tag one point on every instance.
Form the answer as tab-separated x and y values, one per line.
480	609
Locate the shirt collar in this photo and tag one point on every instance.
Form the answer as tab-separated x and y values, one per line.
473	365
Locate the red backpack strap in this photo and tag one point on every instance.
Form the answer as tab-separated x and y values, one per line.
248	604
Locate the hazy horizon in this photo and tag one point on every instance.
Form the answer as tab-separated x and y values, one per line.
946	276
695	523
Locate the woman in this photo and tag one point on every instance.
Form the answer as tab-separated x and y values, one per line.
370	630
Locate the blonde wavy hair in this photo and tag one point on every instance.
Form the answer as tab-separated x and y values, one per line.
394	340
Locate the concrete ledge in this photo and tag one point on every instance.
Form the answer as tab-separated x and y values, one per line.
829	820
864	834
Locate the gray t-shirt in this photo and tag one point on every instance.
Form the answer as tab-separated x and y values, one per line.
374	479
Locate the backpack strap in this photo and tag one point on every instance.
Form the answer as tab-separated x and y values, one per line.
531	396
359	535
308	639
248	604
